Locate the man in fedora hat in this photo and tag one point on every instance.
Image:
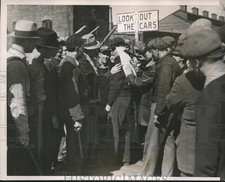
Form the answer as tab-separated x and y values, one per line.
204	44
18	93
44	80
87	62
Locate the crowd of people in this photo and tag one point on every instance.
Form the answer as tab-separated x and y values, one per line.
168	94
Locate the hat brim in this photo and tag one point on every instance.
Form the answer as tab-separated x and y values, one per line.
93	47
23	37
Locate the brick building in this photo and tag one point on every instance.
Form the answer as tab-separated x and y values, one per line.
64	19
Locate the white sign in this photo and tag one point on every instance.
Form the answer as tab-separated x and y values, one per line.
126	22
141	21
148	20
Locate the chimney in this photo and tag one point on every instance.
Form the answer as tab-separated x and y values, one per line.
221	18
214	16
183	8
195	11
205	13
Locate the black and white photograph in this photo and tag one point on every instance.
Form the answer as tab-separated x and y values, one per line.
112	90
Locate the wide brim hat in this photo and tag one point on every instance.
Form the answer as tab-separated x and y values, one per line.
25	29
89	42
49	38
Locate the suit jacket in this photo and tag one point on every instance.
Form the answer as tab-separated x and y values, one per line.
182	98
91	75
210	118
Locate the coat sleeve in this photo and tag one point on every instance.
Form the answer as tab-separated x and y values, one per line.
145	79
175	98
69	83
17	74
51	89
164	87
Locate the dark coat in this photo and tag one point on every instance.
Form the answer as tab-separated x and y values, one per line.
51	83
210	141
17	73
102	81
118	86
91	76
73	87
182	98
142	93
166	72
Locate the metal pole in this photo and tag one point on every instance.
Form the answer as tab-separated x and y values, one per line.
34	160
94	29
78	31
136	29
80	144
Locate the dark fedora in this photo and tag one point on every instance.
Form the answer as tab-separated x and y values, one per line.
72	42
116	42
49	38
25	29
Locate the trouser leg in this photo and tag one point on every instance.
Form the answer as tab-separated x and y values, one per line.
169	156
151	147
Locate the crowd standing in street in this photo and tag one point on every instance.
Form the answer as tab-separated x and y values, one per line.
166	94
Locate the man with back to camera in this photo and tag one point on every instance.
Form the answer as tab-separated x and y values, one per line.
18	93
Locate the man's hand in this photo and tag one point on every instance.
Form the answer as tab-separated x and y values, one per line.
155	121
115	69
77	126
107	108
24	139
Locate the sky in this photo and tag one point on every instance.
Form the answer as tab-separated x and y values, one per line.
165	10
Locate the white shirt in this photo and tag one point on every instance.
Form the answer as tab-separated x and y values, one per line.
213	70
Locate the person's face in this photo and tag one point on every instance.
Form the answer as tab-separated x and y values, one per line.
179	60
48	52
114	55
155	54
30	45
148	55
103	58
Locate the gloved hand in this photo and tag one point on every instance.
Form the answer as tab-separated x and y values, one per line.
77	126
24	139
107	108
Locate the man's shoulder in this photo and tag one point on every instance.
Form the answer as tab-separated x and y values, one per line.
15	62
